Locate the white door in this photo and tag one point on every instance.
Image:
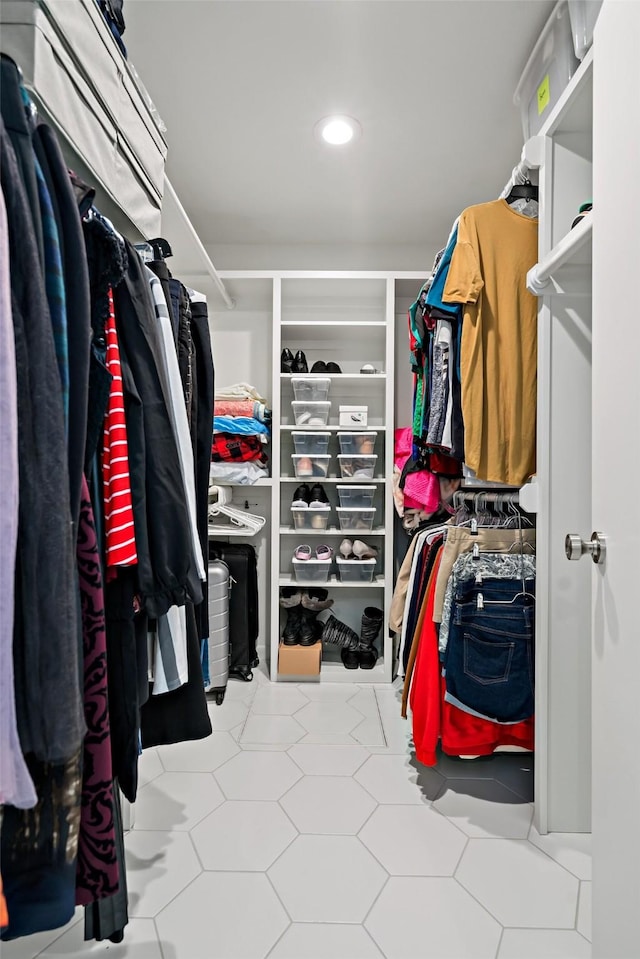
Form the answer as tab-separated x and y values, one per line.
616	483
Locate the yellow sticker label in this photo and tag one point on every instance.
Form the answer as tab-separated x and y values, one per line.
544	95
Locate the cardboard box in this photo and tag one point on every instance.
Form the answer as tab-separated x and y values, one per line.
353	415
300	660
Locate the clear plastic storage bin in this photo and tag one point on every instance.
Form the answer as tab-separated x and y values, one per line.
356	570
549	68
311	414
356	519
311	570
583	15
357	467
310	389
362	444
311	466
358	496
306	443
310	518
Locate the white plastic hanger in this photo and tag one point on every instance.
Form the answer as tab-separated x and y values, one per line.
241	522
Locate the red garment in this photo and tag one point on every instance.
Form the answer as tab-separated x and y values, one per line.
237	447
4	915
460	733
118	510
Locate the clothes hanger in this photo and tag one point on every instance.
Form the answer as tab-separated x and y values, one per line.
522	191
240	520
161	248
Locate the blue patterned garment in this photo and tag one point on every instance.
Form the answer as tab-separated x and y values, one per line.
54	284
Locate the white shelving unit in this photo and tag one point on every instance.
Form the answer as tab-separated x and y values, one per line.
351	318
562	281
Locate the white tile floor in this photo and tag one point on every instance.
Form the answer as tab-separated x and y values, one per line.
305	829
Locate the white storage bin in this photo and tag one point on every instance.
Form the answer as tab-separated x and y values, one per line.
358	496
311	570
357	443
310	389
311	414
310	466
356	570
358	467
357	519
353	415
310	518
548	71
306	443
583	15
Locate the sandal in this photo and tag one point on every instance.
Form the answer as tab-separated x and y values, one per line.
363	551
324	552
302	552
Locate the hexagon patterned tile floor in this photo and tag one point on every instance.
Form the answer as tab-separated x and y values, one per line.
304	828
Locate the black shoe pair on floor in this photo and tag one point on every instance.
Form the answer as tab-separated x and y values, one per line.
356	651
313	497
298	364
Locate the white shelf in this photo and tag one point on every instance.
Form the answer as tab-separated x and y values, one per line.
356	377
287	427
265	481
360	481
231	531
567	267
332	531
286	579
367	324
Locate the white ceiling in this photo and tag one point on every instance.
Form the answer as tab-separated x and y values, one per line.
241	83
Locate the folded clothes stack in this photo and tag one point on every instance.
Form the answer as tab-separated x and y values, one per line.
241	431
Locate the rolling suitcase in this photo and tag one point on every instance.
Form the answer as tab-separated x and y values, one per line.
219	584
243	605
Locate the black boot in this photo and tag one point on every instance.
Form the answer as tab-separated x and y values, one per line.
313	602
339	634
290	599
286	361
371	625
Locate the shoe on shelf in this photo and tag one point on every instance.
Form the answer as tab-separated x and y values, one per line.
324	552
300	363
363	551
319	367
291	601
305	466
302	552
318	499
286	361
301	496
350	658
314	600
333	368
339	634
346	549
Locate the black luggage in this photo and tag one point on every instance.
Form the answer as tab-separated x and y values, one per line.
243	605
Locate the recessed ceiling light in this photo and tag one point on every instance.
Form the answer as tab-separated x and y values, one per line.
338	130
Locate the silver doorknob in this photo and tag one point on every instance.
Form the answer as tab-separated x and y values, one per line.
596	547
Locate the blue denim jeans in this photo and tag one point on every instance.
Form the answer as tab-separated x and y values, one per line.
489	661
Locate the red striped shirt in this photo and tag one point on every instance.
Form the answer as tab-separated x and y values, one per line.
118	510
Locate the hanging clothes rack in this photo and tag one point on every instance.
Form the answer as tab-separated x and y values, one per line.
530	161
241	522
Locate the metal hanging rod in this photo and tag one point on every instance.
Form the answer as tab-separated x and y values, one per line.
486	497
531	159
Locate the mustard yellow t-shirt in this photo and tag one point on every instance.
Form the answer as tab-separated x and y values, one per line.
498	358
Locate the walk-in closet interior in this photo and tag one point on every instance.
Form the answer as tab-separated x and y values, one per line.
318	405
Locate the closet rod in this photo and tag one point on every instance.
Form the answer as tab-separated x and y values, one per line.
210	268
484	497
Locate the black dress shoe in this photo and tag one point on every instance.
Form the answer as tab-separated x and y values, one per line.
286	361
300	363
318	497
333	368
319	367
302	496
